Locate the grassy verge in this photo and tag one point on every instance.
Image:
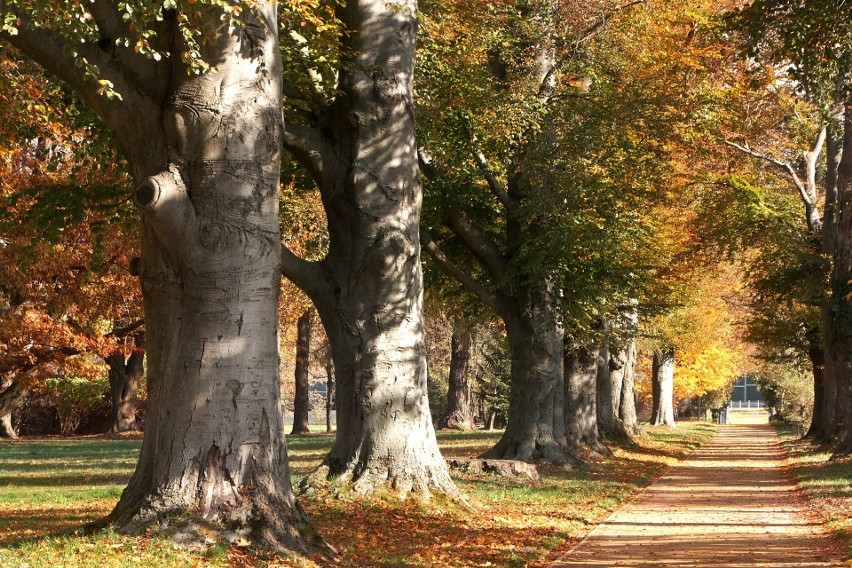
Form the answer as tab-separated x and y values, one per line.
49	488
827	481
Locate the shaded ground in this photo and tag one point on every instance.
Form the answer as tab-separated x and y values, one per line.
732	503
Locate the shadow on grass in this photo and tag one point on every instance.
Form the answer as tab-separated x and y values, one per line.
36	524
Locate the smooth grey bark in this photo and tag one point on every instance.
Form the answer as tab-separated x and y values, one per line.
662	381
7	429
10	399
459	415
301	402
535	426
368	289
608	395
204	149
329	393
816	355
124	376
625	359
581	401
840	332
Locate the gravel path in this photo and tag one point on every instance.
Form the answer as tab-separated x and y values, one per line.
731	503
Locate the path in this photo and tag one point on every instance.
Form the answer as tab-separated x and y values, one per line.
729	504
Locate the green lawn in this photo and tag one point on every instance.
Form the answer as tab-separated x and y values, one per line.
826	480
50	488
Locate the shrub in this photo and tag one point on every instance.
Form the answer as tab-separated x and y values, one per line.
74	397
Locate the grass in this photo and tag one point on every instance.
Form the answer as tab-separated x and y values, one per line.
49	488
826	480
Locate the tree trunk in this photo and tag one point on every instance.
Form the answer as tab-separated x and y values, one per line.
368	290
7	429
606	405
621	377
214	446
816	354
581	421
828	424
10	398
124	376
535	427
329	393
662	379
458	415
302	403
841	288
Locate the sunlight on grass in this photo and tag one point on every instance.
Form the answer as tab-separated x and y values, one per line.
50	488
826	480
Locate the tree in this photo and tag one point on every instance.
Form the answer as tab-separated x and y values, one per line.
811	42
124	377
64	275
662	388
302	403
359	149
458	415
581	400
192	96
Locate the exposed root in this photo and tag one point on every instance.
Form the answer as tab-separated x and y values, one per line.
275	525
541	451
376	482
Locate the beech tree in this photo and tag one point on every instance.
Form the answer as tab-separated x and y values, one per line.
459	415
301	402
191	94
662	388
64	274
535	136
811	41
359	148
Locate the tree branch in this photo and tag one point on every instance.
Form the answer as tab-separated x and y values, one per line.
574	54
307	145
124	330
811	213
51	51
164	200
496	187
483	248
431	247
304	274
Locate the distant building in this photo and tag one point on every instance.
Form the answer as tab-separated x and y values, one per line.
747	394
747	404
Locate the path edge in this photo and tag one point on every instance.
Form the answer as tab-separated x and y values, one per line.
627	500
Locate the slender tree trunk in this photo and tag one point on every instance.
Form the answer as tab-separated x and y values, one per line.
458	415
329	393
816	354
581	420
663	389
368	290
535	426
124	377
214	445
302	403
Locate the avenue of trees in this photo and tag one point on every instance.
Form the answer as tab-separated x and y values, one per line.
534	213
